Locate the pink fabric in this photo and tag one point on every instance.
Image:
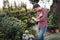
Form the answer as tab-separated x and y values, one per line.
43	19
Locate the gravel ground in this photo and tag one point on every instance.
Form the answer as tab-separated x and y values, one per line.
55	36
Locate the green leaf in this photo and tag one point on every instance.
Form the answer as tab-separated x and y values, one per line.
48	0
42	0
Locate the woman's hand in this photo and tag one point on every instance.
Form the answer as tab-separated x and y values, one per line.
37	20
40	15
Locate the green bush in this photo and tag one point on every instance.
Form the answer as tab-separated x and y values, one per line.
15	23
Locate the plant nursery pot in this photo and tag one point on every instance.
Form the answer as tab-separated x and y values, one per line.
57	30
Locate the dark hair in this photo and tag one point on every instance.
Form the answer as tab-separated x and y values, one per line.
36	5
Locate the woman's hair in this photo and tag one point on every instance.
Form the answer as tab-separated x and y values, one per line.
36	5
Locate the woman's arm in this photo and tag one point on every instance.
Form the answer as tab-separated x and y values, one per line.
40	15
45	14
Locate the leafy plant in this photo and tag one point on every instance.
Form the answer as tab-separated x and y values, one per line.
34	1
52	19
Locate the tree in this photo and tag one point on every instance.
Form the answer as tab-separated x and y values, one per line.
23	5
5	4
55	8
15	5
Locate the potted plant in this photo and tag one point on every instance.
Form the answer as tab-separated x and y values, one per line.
57	29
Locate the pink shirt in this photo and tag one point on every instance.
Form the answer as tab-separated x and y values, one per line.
43	19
